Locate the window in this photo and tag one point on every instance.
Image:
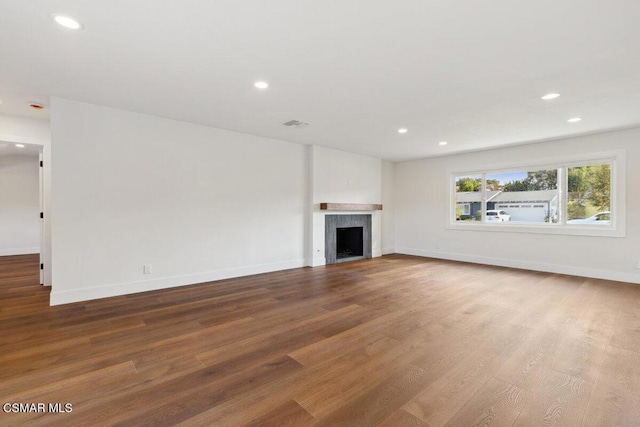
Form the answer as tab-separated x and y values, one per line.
570	198
468	197
589	195
517	190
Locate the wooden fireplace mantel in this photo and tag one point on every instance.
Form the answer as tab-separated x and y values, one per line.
349	207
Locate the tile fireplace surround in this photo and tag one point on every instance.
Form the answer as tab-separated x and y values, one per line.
333	222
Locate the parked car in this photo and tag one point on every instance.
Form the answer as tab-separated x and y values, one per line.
601	218
497	216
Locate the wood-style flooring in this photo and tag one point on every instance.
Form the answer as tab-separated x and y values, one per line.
392	341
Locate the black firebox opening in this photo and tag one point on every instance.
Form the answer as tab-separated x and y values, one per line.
349	242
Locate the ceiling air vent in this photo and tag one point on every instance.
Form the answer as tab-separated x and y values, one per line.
296	124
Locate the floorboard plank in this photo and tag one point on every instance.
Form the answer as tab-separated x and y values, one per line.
562	400
496	404
615	400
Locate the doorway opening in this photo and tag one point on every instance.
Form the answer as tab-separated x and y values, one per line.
22	201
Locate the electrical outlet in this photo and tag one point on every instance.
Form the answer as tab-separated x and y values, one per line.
637	265
146	269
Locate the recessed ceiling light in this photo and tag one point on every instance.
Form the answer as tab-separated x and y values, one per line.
261	85
20	145
550	96
403	130
67	22
442	143
574	119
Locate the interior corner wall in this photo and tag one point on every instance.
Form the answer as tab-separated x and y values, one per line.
388	206
341	177
19	205
197	203
421	193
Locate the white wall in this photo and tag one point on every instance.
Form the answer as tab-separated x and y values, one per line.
388	214
421	193
19	205
340	177
197	203
24	130
37	132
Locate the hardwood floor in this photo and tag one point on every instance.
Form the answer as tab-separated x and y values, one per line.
393	341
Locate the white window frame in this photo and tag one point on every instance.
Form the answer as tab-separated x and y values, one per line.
617	160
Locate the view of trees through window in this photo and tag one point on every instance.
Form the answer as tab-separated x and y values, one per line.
588	192
468	198
533	196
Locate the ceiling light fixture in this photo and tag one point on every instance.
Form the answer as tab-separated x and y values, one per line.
67	22
574	119
20	145
403	130
261	85
36	106
550	96
442	143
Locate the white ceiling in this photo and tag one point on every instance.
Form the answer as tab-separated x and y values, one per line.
469	72
17	104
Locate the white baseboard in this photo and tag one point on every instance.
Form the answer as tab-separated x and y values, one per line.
388	251
19	251
76	295
619	276
376	254
317	262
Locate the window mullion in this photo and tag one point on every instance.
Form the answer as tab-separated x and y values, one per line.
564	191
483	188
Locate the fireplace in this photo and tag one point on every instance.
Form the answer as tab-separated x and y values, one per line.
349	242
347	238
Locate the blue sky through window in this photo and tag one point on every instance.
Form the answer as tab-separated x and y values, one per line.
503	178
